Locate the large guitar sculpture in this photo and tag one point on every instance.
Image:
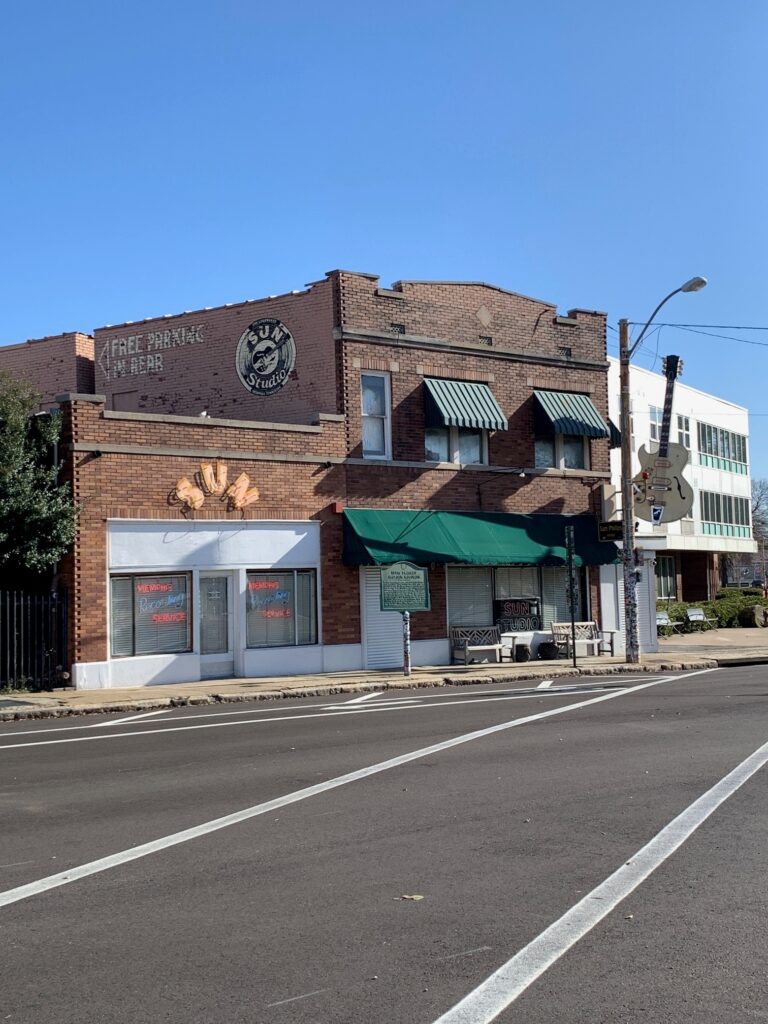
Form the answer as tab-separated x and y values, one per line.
662	494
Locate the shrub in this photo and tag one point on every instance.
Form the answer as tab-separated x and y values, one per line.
726	608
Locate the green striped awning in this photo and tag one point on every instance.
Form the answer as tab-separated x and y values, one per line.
571	414
382	536
459	403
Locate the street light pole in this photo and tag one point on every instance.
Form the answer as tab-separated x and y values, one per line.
627	496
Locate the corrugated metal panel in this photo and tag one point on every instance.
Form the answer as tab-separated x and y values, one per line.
459	403
383	630
572	414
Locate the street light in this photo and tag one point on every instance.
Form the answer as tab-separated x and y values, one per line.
627	498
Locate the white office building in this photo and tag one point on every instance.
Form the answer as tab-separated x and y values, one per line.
684	560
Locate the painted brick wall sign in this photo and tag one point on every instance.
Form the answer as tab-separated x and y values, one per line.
265	356
139	354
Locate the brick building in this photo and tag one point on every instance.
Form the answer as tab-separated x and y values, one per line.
243	472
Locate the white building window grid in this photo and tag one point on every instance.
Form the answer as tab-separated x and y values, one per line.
376	405
684	431
656	414
722	449
724	514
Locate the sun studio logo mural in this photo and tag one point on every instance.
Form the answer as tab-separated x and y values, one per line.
265	356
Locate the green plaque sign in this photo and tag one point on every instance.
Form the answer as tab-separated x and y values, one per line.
404	588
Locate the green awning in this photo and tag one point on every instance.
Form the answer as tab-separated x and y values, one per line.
382	536
568	413
615	434
459	403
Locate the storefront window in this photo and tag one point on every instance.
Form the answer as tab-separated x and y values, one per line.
281	609
665	576
150	615
470	597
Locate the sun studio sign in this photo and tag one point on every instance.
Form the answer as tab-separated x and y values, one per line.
265	356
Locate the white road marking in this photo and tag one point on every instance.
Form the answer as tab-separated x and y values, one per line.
293	999
131	718
498	694
504	986
545	684
365	696
136	852
345	711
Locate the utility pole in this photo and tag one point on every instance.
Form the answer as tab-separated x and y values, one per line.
627	503
627	495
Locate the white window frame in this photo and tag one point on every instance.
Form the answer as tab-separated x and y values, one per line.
666	580
684	431
387	414
656	418
453	445
559	462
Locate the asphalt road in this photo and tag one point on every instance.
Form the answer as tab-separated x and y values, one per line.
115	906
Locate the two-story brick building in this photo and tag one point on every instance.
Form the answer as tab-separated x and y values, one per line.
243	472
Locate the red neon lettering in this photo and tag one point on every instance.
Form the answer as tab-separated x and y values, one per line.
263	585
277	613
149	588
169	617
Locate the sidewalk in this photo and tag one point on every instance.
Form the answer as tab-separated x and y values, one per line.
676	653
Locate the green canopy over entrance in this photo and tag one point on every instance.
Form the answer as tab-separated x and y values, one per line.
383	536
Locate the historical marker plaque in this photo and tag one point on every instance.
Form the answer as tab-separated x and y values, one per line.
404	588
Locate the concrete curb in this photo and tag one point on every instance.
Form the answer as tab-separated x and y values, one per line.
354	686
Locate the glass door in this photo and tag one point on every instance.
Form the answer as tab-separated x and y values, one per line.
216	654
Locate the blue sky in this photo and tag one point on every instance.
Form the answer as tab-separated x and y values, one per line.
167	156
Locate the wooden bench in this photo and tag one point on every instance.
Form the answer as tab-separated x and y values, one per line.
695	617
663	621
598	641
475	643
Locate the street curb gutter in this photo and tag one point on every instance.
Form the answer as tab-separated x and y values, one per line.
353	686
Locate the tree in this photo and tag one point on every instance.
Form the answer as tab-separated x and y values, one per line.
37	515
760	509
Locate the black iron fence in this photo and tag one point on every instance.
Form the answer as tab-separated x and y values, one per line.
33	640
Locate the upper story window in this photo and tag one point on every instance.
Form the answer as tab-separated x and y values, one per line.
376	415
561	451
464	445
684	432
458	416
565	423
657	416
724	514
722	449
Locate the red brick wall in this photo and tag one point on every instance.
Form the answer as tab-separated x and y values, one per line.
63	362
449	310
296	478
185	364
